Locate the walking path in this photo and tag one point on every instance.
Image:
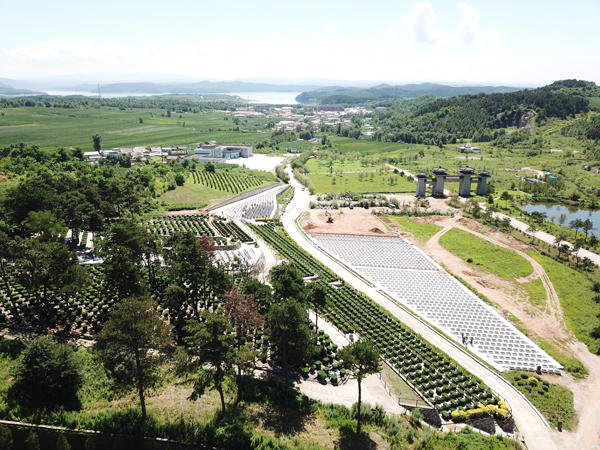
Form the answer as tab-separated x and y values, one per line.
529	421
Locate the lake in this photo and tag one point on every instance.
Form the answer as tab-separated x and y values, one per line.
271	98
572	212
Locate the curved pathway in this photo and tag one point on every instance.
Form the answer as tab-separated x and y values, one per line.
529	421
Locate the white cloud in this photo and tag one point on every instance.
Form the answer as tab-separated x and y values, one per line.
420	24
391	34
468	31
331	41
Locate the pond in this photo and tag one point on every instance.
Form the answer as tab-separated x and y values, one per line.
572	212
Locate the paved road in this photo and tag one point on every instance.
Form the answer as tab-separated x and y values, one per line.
532	426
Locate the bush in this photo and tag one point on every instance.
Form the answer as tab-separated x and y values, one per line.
47	374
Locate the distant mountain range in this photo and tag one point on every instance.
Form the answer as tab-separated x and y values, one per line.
339	93
5	90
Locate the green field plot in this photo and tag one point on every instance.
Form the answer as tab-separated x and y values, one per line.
225	182
421	231
371	148
553	401
196	195
352	182
576	299
322	165
486	256
58	127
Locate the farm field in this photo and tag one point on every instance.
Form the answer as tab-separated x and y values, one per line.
58	127
438	378
486	256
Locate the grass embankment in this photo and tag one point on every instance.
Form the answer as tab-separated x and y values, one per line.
508	265
270	416
554	402
576	298
486	256
422	232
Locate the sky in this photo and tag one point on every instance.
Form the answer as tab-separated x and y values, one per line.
512	42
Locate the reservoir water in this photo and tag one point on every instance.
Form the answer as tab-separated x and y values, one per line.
572	212
271	98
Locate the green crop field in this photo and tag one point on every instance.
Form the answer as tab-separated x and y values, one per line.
58	127
487	257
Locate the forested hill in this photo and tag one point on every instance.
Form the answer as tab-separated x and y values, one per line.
482	117
336	94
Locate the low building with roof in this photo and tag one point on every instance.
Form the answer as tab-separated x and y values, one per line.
468	147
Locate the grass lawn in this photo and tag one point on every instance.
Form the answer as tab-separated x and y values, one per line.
194	194
487	257
421	231
554	402
320	165
537	293
576	298
399	388
351	182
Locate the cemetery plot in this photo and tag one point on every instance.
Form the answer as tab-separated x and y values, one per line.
439	298
452	390
217	228
283	244
260	206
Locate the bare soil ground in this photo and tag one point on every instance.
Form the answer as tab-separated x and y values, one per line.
357	222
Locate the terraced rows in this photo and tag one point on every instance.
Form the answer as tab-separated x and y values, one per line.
439	379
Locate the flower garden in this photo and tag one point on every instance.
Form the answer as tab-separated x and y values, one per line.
226	182
454	392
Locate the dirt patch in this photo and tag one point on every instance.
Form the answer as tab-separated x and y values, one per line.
427	219
357	222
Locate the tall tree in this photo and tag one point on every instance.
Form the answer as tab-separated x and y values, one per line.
360	359
211	342
48	265
133	338
127	246
317	295
289	330
96	140
576	225
587	226
46	374
287	283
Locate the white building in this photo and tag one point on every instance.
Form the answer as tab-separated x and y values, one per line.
212	150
